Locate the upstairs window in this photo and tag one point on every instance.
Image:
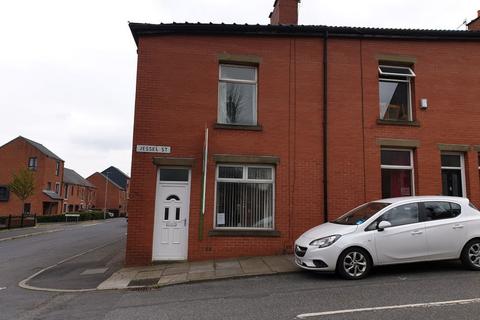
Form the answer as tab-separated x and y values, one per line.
237	95
4	193
32	163
395	92
57	168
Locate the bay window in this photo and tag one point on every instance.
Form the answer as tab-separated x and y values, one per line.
244	197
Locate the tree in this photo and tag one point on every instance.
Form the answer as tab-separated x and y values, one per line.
23	185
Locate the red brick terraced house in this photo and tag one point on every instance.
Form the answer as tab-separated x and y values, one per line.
304	123
112	184
78	193
48	169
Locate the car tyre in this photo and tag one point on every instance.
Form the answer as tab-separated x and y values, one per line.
354	264
471	255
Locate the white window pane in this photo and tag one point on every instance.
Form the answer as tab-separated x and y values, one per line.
173	174
230	172
396	71
395	157
245	205
394	100
260	173
237	73
237	103
451	160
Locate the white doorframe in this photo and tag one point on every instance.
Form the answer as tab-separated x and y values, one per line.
461	168
162	187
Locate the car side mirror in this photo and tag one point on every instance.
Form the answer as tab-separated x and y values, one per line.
383	224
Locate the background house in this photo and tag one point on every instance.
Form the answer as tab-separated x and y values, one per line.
78	193
47	167
112	185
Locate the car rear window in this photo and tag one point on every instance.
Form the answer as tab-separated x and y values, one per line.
437	210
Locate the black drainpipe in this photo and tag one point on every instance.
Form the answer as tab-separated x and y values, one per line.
325	113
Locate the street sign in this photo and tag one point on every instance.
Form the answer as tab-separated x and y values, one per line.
153	149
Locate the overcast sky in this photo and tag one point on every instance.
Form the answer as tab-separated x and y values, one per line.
67	68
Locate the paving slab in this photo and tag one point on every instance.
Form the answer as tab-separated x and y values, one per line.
172	279
182	272
229	264
196	276
149	274
255	266
280	263
204	266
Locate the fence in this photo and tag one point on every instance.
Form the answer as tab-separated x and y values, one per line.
22	221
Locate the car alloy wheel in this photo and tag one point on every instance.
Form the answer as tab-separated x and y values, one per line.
474	254
354	263
471	255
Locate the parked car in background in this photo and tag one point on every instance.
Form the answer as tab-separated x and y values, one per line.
391	231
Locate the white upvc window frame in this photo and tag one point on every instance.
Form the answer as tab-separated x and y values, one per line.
245	180
407	80
461	168
229	80
395	167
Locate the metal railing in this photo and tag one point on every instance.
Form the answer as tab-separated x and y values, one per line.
10	222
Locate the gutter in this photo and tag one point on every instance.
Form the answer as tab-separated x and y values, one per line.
325	127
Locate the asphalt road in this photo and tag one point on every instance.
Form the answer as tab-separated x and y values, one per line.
22	257
396	292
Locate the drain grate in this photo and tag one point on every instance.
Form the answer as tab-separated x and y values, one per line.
143	282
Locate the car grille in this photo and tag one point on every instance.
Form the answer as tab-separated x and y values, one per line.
300	251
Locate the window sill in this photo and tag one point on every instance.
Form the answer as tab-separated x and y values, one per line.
238	127
243	233
398	123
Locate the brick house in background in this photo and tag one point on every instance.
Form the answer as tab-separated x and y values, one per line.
78	193
48	171
112	184
304	123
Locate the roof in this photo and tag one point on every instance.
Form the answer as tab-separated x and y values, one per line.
146	29
40	147
52	194
72	177
117	176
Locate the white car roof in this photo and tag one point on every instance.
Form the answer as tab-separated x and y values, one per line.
424	198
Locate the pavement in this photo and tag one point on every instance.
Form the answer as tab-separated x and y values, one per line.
42	228
164	274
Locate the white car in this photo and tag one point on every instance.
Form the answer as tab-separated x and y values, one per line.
391	231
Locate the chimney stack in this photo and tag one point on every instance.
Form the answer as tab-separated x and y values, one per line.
284	12
474	25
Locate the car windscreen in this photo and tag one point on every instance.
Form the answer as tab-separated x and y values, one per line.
361	214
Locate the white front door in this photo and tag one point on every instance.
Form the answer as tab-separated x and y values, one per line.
170	233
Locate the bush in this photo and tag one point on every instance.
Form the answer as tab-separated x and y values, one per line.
84	216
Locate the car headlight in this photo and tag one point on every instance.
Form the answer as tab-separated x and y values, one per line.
325	242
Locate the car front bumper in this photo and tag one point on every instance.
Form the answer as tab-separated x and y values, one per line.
314	258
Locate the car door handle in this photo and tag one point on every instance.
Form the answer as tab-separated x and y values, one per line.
416	232
458	226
